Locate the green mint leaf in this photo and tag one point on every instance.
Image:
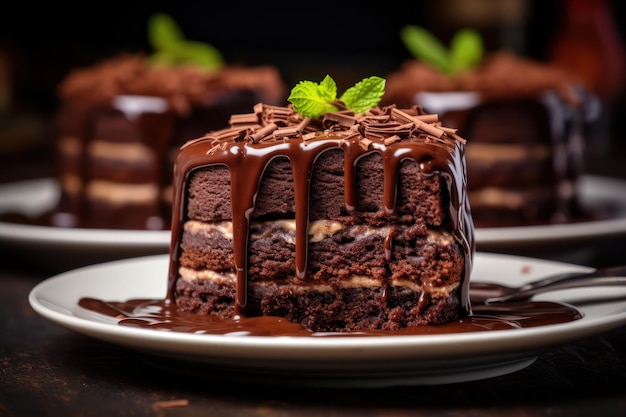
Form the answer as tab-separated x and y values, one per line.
200	53
163	32
364	95
328	88
311	99
466	50
424	46
171	48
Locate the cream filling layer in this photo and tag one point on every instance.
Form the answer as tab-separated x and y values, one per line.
507	199
127	152
118	194
505	153
494	197
112	192
70	146
71	184
356	281
318	230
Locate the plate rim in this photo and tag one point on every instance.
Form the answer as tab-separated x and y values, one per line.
327	362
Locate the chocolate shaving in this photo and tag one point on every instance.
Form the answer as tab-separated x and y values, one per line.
275	114
428	118
286	132
429	128
420	124
248	118
262	132
304	123
345	119
382	131
365	143
391	139
448	130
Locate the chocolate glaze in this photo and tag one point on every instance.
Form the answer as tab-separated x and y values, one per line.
163	315
253	140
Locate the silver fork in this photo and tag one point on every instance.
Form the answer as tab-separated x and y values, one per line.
491	293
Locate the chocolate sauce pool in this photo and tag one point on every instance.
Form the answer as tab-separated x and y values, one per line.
160	314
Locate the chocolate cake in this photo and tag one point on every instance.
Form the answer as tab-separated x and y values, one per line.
523	120
121	121
348	221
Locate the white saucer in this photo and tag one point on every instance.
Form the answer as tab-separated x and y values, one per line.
327	361
68	247
594	192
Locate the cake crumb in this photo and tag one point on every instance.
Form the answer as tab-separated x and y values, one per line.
171	403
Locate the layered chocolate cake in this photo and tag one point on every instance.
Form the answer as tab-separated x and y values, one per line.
341	221
523	120
121	121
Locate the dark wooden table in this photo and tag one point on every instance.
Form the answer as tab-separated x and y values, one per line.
47	370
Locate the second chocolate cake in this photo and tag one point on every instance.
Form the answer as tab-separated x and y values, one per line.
524	123
121	121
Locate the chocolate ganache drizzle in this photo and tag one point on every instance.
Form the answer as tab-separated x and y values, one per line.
253	140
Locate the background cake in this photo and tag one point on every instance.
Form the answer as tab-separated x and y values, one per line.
121	120
523	119
337	219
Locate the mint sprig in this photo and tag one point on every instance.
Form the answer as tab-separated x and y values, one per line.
464	53
312	99
171	48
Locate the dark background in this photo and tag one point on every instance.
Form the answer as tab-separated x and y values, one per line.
305	40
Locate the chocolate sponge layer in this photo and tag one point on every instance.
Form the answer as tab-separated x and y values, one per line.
349	309
420	197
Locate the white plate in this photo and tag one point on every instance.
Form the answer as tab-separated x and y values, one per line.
326	361
594	191
68	247
95	245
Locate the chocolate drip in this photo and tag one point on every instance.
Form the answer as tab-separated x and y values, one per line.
164	316
247	149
